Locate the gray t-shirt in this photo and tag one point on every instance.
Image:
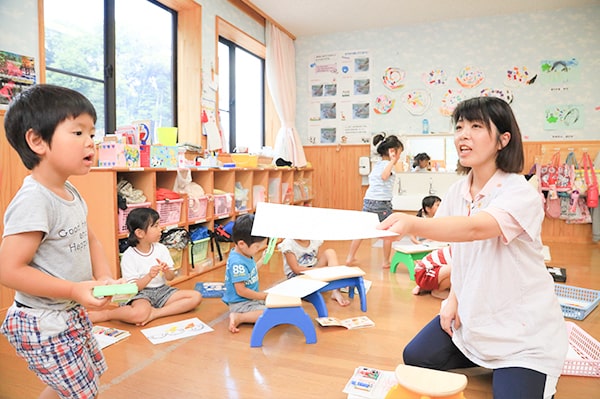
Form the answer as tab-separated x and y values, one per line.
64	250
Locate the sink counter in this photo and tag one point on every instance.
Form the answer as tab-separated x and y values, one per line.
411	187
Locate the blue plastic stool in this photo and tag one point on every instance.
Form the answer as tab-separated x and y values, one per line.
282	310
316	298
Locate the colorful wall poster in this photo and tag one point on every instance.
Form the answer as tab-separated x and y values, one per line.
17	72
340	90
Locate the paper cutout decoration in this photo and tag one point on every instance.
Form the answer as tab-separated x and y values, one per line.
450	100
435	77
470	77
383	104
504	94
516	77
393	78
416	101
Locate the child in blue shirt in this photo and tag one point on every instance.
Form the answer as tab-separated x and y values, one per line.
246	303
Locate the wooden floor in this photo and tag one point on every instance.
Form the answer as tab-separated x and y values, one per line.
223	365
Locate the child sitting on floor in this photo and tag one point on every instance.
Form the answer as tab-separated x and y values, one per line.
148	264
246	303
301	255
432	273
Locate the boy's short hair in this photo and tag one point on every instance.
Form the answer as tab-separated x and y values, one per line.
242	230
41	108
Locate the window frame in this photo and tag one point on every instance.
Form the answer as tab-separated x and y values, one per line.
232	91
189	64
225	29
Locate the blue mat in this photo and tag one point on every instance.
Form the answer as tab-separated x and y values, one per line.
211	290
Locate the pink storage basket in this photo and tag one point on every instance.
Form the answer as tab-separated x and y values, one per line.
123	214
197	208
586	349
223	204
169	211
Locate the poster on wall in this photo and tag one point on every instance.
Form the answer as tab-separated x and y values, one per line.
559	74
563	117
17	72
340	97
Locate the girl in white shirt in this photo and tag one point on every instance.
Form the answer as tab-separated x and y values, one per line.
502	312
148	264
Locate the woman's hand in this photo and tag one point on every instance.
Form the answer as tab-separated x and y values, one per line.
449	314
397	222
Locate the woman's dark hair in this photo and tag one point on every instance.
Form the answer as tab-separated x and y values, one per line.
384	143
427	202
422	156
242	230
41	108
140	218
493	110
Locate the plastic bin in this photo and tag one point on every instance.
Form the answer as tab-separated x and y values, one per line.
177	256
223	204
576	303
198	251
169	211
197	208
245	160
123	214
224	246
583	358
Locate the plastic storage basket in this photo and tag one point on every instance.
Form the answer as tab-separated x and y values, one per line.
198	251
177	256
123	214
583	358
197	208
576	303
169	211
223	204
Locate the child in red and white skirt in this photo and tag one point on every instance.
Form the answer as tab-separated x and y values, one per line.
432	273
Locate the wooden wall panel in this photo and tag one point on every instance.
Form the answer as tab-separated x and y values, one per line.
336	181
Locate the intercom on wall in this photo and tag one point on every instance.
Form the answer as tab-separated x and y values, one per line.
364	166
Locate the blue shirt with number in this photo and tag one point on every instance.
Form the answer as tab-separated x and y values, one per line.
239	269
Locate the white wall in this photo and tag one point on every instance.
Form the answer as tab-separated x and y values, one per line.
492	43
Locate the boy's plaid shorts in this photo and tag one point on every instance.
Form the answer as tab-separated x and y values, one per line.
59	347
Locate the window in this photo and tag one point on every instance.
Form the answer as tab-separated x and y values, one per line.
120	54
241	97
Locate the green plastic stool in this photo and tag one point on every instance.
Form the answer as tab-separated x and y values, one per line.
408	260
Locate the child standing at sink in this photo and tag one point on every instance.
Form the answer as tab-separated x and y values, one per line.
378	198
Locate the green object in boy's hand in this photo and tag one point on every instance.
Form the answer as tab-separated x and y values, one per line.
270	250
118	292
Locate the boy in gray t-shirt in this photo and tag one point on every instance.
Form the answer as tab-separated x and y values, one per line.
48	255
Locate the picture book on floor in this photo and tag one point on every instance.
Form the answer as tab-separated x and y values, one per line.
349	323
370	383
211	290
107	336
172	331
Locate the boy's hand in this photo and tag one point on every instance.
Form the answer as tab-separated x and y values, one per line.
81	292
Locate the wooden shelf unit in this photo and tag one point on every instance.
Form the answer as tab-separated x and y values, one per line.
99	188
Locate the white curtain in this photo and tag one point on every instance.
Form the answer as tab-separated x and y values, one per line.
281	77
